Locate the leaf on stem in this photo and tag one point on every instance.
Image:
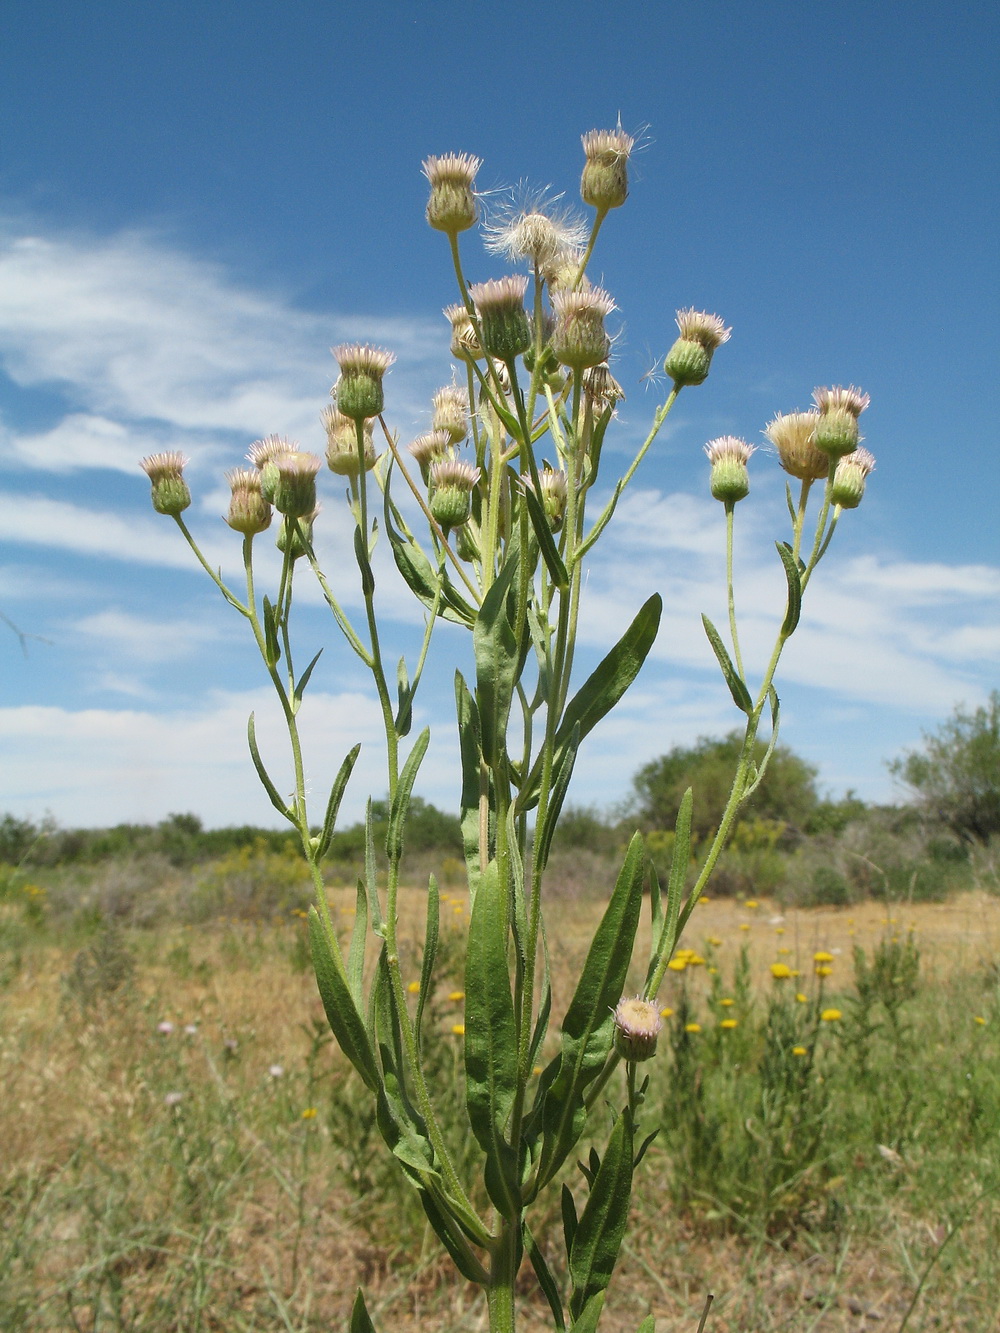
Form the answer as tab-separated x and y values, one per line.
276	799
667	939
602	1224
333	804
401	796
272	649
565	758
364	564
739	691
360	1318
546	1281
497	660
341	1012
430	949
300	688
469	748
404	713
793	576
546	544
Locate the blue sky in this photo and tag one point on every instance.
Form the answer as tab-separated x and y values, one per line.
198	200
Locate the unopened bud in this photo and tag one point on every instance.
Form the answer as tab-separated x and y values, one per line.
452	482
262	453
451	412
342	454
604	183
432	447
729	456
295	488
552	488
689	359
249	512
794	437
464	343
359	388
170	492
502	316
849	480
466	546
563	272
452	204
837	428
292	531
637	1026
580	339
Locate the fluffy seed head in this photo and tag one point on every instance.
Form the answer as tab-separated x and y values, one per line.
249	512
451	412
170	493
729	456
451	206
849	480
794	437
342	443
637	1026
502	316
537	230
601	387
359	389
604	183
580	339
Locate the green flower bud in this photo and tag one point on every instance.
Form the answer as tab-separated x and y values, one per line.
580	339
502	316
249	512
466	546
552	486
837	428
730	480
849	480
170	492
291	532
452	482
359	389
637	1026
604	183
464	343
451	412
262	453
342	444
451	207
689	359
295	488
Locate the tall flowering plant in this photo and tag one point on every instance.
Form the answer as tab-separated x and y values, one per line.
501	547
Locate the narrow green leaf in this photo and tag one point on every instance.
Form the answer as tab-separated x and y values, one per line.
371	875
496	650
276	799
360	1318
772	698
588	1028
345	1022
421	578
333	804
404	713
648	1325
546	544
453	1239
356	953
566	758
300	688
602	1224
740	693
655	905
793	578
490	1032
590	1315
364	564
401	796
545	1279
430	949
272	649
569	1218
469	748
790	503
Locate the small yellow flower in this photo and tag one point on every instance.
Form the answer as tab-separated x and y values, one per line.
536	1070
824	970
712	971
980	1020
692	1027
729	1023
799	1050
456	995
780	971
458	1029
666	1013
751	902
414	988
802	999
784	951
822	957
779	930
703	898
744	925
309	1113
695	960
831	1015
714	941
727	1003
677	964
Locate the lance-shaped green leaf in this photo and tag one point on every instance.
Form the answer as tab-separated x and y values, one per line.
548	1284
434	590
404	713
666	940
364	563
793	577
589	1316
356	953
360	1318
333	804
300	688
740	693
543	836
648	1325
601	1228
275	797
371	874
491	1034
345	1022
497	660
401	796
588	1029
543	533
469	748
430	950
452	1237
601	690
272	649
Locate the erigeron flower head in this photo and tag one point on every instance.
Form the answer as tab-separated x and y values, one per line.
604	183
637	1026
452	481
170	492
451	412
794	437
580	339
359	389
432	447
536	229
262	453
295	487
292	532
837	428
553	490
563	273
729	456
689	359
502	316
849	480
601	388
249	512
464	343
451	206
342	443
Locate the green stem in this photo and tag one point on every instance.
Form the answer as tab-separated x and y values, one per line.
730	508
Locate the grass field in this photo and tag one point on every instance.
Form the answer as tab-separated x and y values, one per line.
183	1148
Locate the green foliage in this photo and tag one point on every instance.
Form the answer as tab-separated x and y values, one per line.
786	794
